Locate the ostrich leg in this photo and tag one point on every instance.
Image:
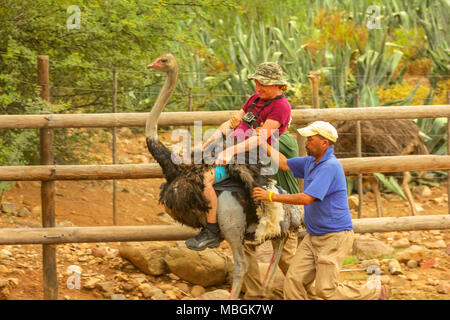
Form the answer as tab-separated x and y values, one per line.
240	268
377	194
407	191
232	223
278	245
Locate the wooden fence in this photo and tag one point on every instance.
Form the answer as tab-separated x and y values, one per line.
47	172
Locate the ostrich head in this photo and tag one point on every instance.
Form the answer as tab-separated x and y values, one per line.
164	63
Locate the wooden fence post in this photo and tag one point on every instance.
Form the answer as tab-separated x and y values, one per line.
190	108
47	189
114	145
301	153
314	76
359	155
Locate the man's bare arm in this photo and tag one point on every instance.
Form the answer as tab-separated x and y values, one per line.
223	128
279	159
297	198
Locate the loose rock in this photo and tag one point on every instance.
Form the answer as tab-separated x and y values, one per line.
160	296
385	279
367	248
182	286
128	286
197	291
149	291
13	282
98	252
206	268
171	295
423	191
3	283
4	293
148	257
443	287
8	207
414	252
439	244
5	253
165	287
371	262
91	283
415	237
219	294
107	286
412	264
412	276
401	243
399	282
23	212
427	264
394	267
126	132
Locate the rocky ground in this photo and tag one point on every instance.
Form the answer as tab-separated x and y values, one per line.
416	265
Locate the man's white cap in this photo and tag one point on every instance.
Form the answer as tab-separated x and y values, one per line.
325	129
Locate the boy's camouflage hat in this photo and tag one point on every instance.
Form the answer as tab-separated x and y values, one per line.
269	73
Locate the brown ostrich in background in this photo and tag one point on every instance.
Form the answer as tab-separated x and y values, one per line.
382	138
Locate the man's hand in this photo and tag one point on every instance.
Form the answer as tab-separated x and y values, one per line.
260	194
235	120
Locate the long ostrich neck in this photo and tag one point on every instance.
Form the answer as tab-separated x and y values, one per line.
151	125
158	150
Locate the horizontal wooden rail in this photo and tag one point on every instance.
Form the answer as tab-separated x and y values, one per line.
391	224
371	113
9	236
303	116
354	166
351	166
94	234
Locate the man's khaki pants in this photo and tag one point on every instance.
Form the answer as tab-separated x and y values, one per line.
252	284
314	270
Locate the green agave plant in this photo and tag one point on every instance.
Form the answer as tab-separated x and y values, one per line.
434	16
434	133
390	184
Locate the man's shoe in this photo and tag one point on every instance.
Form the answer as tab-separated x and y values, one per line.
205	239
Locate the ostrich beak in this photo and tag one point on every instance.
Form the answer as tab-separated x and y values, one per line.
153	65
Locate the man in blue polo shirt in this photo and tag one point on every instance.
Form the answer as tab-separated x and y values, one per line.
314	270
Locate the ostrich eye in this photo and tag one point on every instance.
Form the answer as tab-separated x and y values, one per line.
163	60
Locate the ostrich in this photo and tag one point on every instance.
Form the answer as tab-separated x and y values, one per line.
239	216
382	137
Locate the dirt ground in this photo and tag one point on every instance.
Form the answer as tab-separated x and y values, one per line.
89	203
